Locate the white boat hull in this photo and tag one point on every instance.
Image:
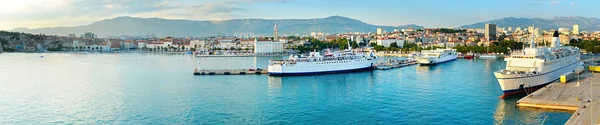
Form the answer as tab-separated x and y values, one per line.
511	84
321	67
433	60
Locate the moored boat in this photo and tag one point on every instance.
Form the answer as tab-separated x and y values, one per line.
315	63
429	57
536	67
469	55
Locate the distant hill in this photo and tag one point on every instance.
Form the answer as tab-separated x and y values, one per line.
585	24
182	28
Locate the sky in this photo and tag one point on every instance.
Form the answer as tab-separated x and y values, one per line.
428	13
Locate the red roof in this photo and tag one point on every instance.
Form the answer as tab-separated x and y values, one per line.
115	44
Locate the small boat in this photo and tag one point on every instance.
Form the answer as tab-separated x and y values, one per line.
430	57
469	55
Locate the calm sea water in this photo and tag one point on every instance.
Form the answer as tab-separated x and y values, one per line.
61	88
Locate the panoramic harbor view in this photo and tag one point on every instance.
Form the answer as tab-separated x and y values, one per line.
299	62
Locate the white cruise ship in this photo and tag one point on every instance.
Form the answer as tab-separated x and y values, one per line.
429	57
337	62
536	67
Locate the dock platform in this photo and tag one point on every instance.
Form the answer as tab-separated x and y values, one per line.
394	64
230	72
582	90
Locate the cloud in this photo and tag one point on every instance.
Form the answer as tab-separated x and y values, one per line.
554	2
81	11
573	3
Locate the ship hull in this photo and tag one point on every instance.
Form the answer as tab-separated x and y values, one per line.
515	84
433	61
319	72
316	68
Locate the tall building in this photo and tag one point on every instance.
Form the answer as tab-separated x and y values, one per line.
275	33
490	32
89	35
72	35
379	31
575	29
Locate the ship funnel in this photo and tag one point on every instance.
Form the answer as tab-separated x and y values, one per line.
555	39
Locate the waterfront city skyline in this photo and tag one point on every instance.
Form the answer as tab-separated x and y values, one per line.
57	13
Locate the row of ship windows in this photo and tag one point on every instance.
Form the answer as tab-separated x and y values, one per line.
337	62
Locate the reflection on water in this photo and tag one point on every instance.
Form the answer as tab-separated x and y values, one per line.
508	113
274	82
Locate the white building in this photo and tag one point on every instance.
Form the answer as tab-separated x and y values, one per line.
128	45
142	44
198	43
379	31
267	47
566	31
576	29
386	42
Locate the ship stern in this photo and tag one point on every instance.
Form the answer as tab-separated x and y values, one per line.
425	60
275	69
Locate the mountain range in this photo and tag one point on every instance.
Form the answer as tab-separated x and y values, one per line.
585	23
334	24
181	28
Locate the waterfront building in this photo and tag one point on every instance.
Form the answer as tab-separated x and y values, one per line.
386	42
267	47
410	39
198	43
115	44
490	32
247	43
72	35
576	29
142	44
379	31
154	45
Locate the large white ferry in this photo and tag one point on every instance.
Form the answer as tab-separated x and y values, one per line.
336	62
536	67
429	57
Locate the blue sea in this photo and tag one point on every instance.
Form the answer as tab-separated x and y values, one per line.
136	88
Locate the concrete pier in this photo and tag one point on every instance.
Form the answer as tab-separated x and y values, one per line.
586	114
230	72
394	64
582	90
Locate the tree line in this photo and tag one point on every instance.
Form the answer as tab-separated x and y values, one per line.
591	46
316	44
